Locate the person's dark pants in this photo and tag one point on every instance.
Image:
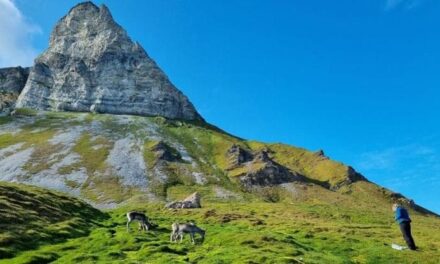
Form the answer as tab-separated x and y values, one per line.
405	227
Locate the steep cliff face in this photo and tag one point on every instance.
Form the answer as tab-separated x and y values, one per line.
12	81
92	65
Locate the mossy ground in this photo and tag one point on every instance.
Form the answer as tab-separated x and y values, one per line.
289	231
30	217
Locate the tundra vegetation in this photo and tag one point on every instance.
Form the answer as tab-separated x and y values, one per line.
308	231
320	217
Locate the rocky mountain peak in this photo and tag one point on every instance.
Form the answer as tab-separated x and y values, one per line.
87	24
92	65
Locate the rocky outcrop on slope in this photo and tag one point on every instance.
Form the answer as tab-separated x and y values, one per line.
92	65
352	177
237	155
164	152
12	81
258	168
192	201
264	171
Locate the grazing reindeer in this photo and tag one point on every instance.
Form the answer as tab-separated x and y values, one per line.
178	230
144	224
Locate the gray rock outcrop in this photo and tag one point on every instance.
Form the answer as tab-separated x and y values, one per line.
237	155
12	81
264	171
92	65
258	168
192	201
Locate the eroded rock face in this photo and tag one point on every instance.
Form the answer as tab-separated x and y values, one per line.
12	81
263	171
237	155
258	168
92	65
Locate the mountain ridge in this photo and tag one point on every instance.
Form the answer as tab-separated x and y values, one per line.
92	65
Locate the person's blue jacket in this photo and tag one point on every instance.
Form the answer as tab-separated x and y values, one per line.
402	215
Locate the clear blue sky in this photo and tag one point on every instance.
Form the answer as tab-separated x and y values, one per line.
359	79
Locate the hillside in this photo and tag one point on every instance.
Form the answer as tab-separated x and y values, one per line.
30	217
279	202
324	227
111	159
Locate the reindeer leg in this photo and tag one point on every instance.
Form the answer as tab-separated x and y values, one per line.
128	222
175	237
192	238
142	226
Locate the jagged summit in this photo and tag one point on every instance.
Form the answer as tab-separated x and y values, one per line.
92	65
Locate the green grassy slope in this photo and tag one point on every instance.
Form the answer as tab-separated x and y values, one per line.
30	217
290	231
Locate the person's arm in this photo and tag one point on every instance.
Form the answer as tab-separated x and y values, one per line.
398	213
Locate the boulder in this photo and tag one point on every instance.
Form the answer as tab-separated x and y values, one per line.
192	201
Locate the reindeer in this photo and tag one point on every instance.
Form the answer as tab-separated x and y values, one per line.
144	223
178	230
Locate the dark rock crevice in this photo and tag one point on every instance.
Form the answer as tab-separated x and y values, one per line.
164	152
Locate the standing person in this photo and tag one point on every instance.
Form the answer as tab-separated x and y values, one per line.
402	217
